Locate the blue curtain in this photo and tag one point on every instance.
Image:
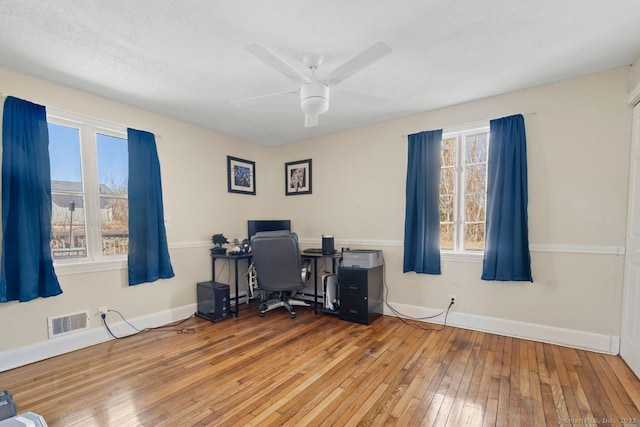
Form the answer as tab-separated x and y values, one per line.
148	249
27	263
506	253
422	213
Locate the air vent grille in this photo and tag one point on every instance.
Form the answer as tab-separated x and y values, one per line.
68	323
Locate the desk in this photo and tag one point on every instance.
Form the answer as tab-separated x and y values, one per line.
315	256
234	258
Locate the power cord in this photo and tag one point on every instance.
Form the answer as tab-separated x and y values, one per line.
401	316
226	264
163	328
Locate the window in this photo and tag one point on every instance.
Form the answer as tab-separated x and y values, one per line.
89	186
463	189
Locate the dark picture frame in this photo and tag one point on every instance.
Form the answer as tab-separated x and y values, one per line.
241	175
297	177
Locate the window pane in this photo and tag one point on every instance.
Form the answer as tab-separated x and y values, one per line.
69	239
447	180
446	208
474	237
113	177
113	164
474	207
475	178
446	236
448	152
67	200
114	219
476	148
64	155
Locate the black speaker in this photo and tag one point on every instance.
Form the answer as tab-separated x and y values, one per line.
214	302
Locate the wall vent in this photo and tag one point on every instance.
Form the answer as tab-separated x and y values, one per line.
62	325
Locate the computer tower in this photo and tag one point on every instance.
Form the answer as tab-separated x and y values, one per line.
214	302
330	287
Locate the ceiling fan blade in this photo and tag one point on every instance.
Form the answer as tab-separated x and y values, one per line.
357	63
311	120
245	102
279	64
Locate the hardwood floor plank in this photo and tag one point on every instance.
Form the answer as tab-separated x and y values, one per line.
626	377
490	416
424	372
612	385
476	401
537	405
600	403
317	370
455	378
465	393
554	384
550	412
504	389
437	387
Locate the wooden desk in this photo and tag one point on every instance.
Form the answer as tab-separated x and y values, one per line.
235	259
315	257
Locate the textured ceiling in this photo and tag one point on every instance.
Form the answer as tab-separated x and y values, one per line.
186	58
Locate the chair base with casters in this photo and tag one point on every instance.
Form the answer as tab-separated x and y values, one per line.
285	301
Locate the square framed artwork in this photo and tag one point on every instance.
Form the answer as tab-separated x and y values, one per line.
297	177
241	176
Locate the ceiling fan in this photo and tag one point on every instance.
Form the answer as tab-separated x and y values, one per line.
314	91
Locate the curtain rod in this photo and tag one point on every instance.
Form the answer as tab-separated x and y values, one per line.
478	123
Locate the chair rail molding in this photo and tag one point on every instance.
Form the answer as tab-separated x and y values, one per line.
553	247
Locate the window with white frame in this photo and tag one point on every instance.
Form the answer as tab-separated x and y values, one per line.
463	189
89	187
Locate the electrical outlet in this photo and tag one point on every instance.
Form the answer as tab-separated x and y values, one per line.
103	310
452	299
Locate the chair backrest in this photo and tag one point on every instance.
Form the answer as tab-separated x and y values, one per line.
277	259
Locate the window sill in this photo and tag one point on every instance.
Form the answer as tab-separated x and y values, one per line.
70	268
462	256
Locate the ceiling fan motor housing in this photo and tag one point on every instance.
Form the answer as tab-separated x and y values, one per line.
314	98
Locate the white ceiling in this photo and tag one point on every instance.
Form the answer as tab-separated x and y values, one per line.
186	58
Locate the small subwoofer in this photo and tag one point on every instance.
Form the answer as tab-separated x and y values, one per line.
214	302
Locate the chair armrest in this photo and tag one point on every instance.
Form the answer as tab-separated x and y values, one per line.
306	270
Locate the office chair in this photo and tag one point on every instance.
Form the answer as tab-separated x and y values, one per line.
280	268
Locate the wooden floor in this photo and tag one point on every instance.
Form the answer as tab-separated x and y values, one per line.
318	370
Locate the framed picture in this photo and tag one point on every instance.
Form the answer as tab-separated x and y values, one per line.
241	175
297	177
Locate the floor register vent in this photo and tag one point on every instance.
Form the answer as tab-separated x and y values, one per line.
69	323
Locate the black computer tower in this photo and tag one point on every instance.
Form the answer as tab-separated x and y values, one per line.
214	302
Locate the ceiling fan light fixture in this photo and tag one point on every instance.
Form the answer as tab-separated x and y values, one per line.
314	98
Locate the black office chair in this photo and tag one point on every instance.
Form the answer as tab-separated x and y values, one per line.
279	268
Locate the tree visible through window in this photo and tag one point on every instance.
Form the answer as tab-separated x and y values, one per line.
89	187
463	188
113	184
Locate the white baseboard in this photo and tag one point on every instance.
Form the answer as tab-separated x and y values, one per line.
566	337
64	344
549	334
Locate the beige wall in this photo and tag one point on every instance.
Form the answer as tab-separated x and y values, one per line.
635	74
578	142
196	202
578	135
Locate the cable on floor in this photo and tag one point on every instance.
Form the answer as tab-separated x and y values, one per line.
403	316
163	328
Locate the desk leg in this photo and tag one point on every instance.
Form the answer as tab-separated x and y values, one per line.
237	305
315	284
